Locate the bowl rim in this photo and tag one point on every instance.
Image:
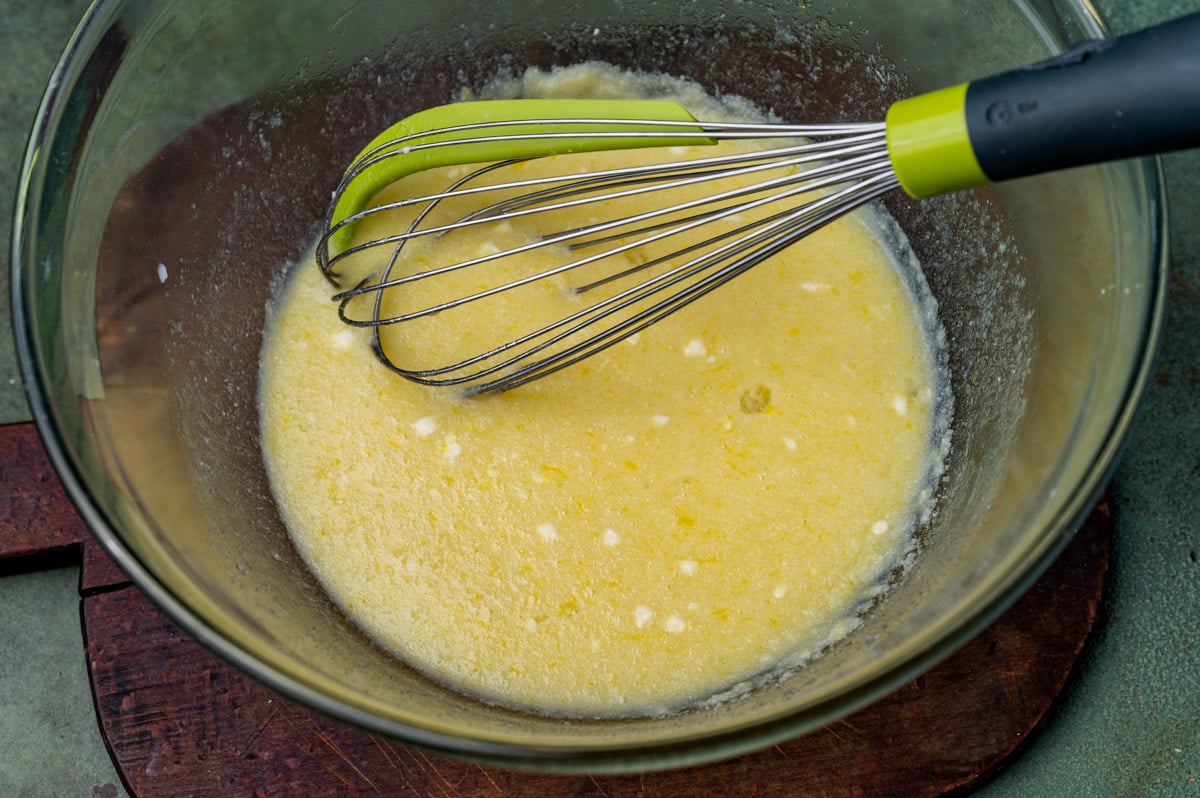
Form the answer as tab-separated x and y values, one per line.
678	751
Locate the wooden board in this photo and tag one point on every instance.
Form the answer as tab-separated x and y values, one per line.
178	721
37	520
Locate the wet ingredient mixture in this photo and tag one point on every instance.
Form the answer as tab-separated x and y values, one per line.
709	501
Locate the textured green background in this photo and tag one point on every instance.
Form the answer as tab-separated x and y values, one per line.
1129	724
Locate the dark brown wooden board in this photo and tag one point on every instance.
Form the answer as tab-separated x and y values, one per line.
37	520
39	526
178	721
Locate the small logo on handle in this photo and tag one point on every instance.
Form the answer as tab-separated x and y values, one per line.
1002	113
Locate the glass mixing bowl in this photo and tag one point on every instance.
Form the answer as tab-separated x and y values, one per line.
182	159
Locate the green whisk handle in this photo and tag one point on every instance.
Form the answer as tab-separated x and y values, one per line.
498	130
1101	100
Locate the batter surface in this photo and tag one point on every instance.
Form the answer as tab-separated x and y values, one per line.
697	506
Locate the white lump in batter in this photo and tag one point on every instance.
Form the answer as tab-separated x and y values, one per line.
706	502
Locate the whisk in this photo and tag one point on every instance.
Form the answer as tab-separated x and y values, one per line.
629	264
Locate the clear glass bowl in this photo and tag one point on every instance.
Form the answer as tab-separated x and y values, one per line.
184	153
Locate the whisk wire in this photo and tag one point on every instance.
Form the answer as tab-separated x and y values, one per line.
804	182
837	169
698	170
777	236
864	138
531	370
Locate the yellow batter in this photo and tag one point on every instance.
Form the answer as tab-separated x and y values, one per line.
690	509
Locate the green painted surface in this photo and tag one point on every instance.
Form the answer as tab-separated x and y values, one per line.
1129	725
32	35
50	745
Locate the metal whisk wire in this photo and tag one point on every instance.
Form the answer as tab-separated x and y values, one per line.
834	169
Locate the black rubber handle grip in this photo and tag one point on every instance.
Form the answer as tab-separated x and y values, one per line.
1100	101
